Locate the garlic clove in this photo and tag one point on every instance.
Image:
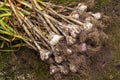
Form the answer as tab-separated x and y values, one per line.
97	15
55	39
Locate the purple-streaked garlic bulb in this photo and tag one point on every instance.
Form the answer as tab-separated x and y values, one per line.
83	47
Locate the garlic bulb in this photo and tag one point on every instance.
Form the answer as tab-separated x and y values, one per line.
44	54
58	59
97	15
55	39
88	25
53	69
70	40
82	7
63	69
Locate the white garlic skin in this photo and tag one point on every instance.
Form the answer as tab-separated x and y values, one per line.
88	25
55	39
82	7
44	55
97	15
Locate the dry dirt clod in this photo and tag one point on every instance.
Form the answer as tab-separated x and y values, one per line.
50	61
58	76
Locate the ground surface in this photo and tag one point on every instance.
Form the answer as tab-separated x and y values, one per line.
26	65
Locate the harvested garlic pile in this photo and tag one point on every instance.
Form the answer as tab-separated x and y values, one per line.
70	49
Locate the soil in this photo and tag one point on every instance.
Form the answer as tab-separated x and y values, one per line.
104	65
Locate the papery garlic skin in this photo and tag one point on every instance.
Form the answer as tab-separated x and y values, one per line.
58	59
55	39
44	55
97	15
87	26
82	7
